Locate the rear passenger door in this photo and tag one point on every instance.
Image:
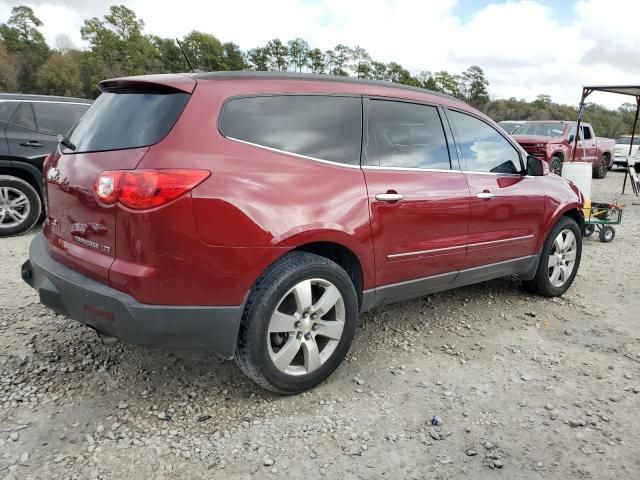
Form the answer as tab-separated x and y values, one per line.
419	200
507	206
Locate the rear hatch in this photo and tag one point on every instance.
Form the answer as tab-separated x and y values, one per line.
128	117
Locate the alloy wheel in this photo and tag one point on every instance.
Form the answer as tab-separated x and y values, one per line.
14	207
306	326
562	258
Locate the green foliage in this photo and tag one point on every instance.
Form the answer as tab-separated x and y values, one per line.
60	75
118	46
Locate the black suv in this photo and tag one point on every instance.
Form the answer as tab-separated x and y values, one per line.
29	125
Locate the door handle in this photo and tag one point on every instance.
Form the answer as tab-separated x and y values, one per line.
485	195
389	197
31	143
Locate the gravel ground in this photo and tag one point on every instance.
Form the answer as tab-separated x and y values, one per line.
526	387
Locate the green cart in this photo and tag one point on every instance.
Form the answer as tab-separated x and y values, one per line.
600	217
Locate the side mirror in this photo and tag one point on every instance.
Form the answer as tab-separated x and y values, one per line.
571	138
537	167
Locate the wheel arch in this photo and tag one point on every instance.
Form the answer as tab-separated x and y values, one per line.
26	172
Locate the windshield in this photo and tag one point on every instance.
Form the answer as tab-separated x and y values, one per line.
510	127
542	129
127	119
627	141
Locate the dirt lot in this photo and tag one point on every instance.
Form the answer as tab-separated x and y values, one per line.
527	387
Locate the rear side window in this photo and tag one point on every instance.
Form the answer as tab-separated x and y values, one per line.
6	110
128	119
24	117
406	135
482	147
322	127
58	117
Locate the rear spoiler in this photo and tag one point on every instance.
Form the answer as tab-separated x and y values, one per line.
171	81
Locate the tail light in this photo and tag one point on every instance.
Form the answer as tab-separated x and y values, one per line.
144	189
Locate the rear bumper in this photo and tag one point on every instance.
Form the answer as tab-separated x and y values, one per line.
116	314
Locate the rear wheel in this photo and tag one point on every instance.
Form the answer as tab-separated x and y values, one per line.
602	168
20	206
298	323
559	260
555	165
588	230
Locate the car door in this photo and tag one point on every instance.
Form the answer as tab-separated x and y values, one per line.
418	200
7	107
507	206
23	137
589	142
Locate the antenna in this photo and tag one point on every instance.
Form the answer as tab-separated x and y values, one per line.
186	57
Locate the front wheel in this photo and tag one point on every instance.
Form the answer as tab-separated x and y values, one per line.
559	259
607	234
588	230
602	168
298	324
555	165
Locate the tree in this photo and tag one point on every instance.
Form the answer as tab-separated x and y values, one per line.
330	61
232	57
60	75
169	58
398	74
204	50
8	70
425	80
258	59
316	60
475	86
378	70
446	83
64	43
118	46
342	54
298	54
361	62
278	53
22	38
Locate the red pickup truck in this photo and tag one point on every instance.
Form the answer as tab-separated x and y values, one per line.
553	141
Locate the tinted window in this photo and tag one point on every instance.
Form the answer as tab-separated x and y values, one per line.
587	133
328	128
24	116
128	119
58	117
6	109
483	148
406	135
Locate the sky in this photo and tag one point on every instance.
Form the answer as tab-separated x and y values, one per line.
526	47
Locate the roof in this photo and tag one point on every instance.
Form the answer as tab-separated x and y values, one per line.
567	122
633	90
252	75
42	98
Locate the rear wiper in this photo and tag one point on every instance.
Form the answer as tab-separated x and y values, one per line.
65	142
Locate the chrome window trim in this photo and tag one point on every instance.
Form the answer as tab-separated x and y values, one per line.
519	175
411	169
276	150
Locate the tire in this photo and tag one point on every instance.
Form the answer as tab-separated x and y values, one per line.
555	165
601	169
542	282
275	296
17	218
588	230
607	234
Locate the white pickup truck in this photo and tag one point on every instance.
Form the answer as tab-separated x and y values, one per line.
622	150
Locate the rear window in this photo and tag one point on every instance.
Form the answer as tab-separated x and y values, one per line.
317	126
128	119
58	117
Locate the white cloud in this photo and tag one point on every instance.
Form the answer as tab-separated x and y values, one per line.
525	48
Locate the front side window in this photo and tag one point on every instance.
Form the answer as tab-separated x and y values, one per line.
6	110
482	147
58	118
317	126
406	135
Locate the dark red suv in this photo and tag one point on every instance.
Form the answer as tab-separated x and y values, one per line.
254	215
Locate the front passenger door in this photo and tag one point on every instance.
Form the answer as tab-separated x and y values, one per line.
507	206
418	199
